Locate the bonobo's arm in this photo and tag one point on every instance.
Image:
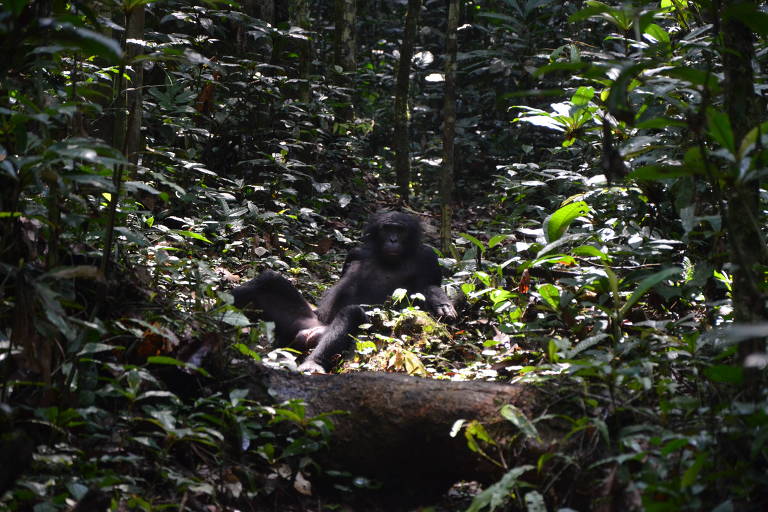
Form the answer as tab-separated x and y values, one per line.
437	301
338	295
334	339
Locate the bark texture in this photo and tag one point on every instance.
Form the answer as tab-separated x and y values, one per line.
401	137
744	219
398	427
449	128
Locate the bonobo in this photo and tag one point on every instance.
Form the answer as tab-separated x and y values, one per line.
391	256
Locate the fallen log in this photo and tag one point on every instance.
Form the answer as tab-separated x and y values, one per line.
398	430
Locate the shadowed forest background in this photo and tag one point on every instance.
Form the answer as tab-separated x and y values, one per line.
591	176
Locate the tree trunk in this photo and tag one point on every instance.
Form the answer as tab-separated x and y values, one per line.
127	127
344	51
134	96
449	127
747	245
299	16
398	428
401	137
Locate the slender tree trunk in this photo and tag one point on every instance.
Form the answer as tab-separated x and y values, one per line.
744	220
134	98
299	15
401	137
127	127
449	127
344	52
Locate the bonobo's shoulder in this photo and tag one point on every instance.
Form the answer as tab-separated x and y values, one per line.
358	253
427	253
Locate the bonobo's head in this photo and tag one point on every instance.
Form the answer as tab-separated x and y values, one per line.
392	235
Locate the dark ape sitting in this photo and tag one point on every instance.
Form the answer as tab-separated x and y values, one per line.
392	256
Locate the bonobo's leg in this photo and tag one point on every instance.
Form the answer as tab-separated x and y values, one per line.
439	303
280	302
334	339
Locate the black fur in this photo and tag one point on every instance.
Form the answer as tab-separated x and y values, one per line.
391	256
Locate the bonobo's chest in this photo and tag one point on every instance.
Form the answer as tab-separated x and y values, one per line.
372	283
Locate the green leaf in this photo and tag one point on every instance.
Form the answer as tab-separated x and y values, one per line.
582	96
550	294
724	373
166	360
556	224
719	128
690	475
496	240
477	243
399	294
696	77
95	348
656	123
590	251
191	234
658	33
675	445
618	97
520	420
235	318
497	494
246	351
646	284
86	40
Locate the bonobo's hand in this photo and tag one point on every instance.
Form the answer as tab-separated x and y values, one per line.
310	366
446	311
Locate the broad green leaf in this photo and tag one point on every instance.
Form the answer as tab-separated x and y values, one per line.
658	33
498	494
399	294
191	234
675	445
690	475
235	318
696	77
496	240
618	98
550	294
656	123
166	360
646	284
246	351
724	373
582	96
556	224
751	138
519	419
95	348
477	243
719	128
88	41
591	251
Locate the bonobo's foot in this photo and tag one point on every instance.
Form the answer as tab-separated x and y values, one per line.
310	366
446	311
307	339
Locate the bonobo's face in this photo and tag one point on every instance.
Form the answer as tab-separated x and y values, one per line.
392	240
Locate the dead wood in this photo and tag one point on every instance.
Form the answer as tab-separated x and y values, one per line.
398	427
